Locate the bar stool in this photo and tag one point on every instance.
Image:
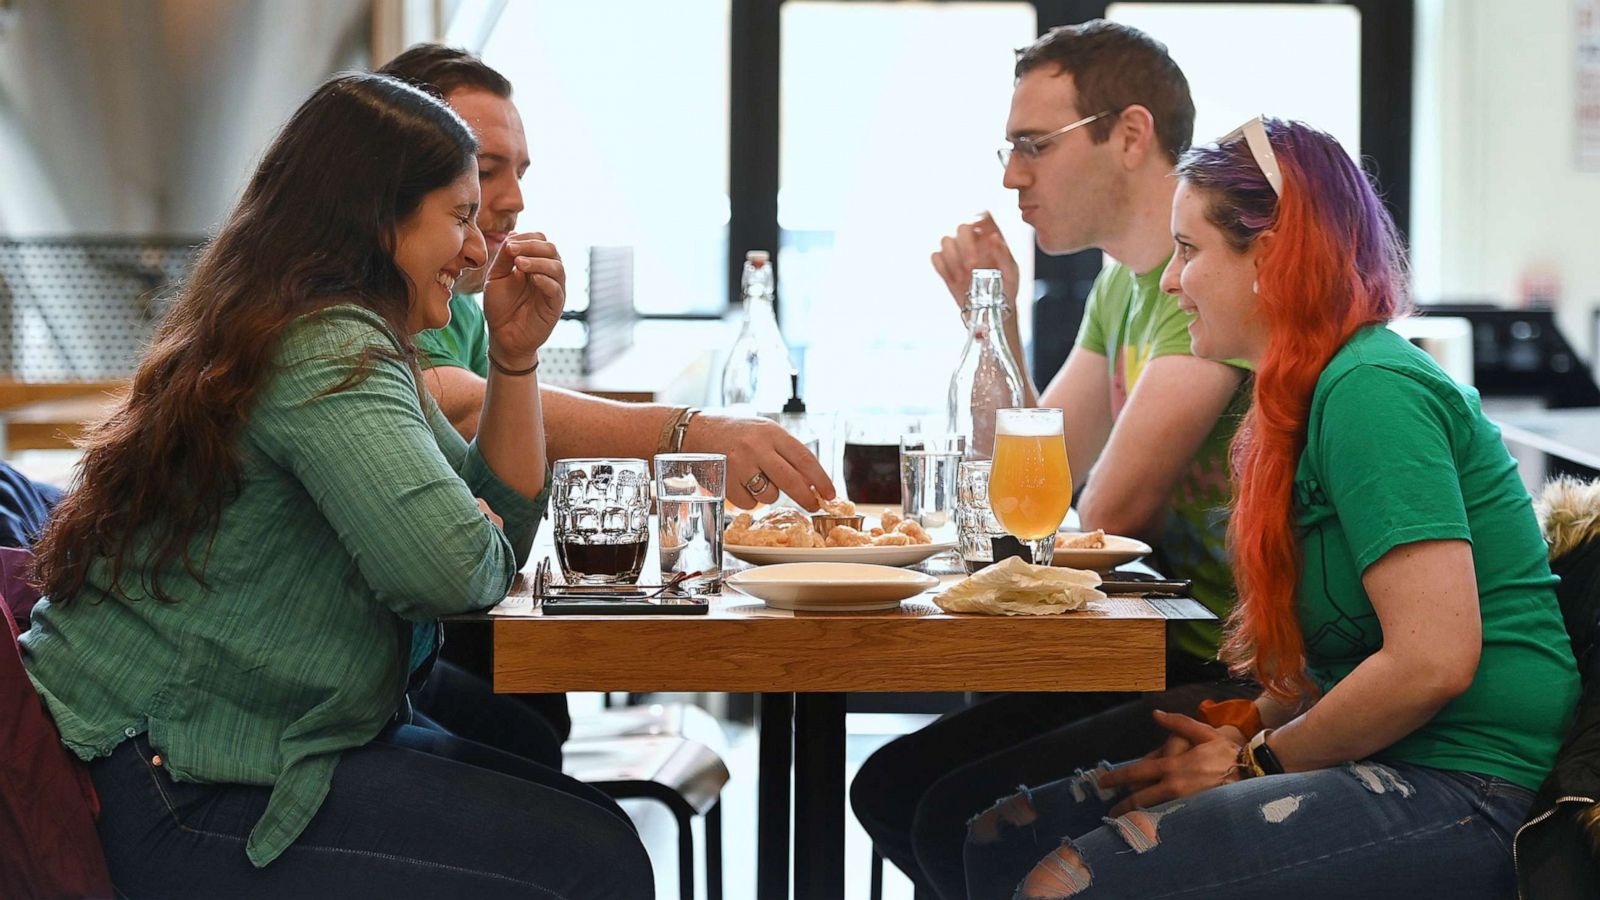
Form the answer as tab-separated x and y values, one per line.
640	752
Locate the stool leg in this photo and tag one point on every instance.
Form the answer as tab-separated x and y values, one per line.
685	856
877	874
714	852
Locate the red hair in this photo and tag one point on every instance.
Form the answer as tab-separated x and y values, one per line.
1329	265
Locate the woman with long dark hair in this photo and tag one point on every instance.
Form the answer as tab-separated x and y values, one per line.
265	532
1394	595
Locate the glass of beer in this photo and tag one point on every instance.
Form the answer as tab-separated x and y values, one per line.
1030	484
602	519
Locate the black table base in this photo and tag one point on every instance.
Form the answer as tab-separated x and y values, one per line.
807	729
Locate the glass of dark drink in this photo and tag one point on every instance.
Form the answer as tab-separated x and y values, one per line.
870	462
601	511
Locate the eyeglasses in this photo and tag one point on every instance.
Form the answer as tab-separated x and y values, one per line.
1254	133
1029	148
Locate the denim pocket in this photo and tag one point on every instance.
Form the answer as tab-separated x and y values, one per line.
1502	804
158	777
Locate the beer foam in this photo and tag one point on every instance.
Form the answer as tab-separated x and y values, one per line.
1035	423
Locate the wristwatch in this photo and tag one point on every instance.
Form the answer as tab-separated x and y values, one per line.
1262	760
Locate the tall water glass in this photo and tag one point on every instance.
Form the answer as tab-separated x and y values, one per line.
690	488
1030	484
602	519
928	478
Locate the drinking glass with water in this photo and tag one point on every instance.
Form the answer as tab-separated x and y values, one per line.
602	519
690	488
928	465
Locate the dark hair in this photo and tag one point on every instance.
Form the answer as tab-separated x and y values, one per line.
1334	264
1114	67
439	69
316	226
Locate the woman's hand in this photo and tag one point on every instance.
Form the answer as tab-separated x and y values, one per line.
1209	759
523	296
490	514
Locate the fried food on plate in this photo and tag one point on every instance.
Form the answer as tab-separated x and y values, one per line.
1088	540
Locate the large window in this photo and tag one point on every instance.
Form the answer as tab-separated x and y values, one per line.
890	116
627	119
1292	60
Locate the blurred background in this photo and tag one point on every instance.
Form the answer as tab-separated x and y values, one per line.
846	136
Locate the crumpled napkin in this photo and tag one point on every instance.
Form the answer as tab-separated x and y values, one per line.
1013	587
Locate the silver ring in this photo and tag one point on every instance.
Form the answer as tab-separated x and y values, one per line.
757	483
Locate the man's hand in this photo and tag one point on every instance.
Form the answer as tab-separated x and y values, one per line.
976	245
760	445
1208	761
523	298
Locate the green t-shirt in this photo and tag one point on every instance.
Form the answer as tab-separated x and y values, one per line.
1396	452
1130	321
464	343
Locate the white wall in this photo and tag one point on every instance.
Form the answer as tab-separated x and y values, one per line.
1497	192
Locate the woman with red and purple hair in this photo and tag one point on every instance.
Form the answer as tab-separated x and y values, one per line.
1394	595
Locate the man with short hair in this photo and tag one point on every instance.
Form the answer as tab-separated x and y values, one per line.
1099	116
762	457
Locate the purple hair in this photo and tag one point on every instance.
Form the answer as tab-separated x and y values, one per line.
1330	265
1241	203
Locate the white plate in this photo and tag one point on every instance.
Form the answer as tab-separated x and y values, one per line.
1118	550
831	587
908	555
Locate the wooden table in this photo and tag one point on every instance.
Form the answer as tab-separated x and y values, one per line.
51	424
803	663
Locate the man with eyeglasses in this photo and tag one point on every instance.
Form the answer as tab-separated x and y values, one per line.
1099	116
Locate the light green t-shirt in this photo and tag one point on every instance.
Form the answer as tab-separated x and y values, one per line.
1397	452
1131	321
464	343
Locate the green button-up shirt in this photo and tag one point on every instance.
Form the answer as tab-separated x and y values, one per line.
355	518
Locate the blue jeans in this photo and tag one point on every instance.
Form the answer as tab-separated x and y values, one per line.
916	793
460	703
401	819
1370	830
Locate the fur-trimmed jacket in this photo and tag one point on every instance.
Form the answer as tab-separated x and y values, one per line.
1558	851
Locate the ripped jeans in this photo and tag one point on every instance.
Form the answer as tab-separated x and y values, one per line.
1369	830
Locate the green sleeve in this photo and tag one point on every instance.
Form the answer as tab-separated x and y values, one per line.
436	347
1171	332
519	514
1092	332
369	459
1386	445
464	343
